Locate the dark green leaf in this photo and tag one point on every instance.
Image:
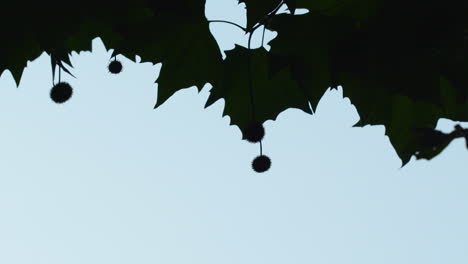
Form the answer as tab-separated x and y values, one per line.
271	94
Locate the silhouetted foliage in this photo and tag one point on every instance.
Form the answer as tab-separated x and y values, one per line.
432	142
403	64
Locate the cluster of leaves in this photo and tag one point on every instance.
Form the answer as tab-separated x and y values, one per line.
402	64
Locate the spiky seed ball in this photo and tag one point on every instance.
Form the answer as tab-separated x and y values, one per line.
115	67
61	92
261	163
254	132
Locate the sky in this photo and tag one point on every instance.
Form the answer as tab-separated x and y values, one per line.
105	178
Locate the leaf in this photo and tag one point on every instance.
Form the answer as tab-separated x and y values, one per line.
431	142
196	60
257	10
271	94
16	54
356	9
387	68
291	4
309	58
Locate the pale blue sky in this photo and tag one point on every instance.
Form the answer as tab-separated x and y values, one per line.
98	179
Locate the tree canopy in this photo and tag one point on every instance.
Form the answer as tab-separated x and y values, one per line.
403	64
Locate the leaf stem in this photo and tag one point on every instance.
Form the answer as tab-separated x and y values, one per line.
263	35
53	78
249	77
271	14
228	22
